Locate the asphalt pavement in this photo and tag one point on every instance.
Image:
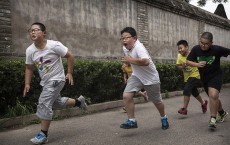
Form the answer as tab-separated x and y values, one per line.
103	128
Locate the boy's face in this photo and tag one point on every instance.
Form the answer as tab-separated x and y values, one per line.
205	44
183	50
128	40
36	33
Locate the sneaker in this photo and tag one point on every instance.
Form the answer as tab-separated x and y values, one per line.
83	104
183	111
129	124
204	106
40	138
165	124
221	118
212	123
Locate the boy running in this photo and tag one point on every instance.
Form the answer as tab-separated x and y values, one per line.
191	78
206	57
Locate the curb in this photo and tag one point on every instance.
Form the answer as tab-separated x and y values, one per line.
70	112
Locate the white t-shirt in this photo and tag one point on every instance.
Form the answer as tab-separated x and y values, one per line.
148	75
48	60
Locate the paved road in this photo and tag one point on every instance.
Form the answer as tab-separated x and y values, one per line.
103	128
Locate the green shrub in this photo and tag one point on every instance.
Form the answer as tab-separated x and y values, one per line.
97	80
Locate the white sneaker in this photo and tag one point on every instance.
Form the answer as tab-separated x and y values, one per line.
83	104
40	138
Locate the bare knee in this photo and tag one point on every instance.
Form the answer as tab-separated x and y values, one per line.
128	96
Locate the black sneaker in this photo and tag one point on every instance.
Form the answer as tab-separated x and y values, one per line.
129	124
221	118
165	124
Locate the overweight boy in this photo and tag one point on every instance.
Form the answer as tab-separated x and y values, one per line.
206	57
46	56
144	75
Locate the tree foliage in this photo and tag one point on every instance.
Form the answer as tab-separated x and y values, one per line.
203	2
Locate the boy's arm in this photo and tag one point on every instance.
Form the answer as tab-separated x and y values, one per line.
194	64
136	61
70	62
28	73
125	78
181	66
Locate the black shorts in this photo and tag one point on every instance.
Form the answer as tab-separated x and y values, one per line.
191	87
215	82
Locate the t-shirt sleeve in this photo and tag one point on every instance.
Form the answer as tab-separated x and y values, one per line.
143	53
224	51
192	55
29	59
60	49
178	61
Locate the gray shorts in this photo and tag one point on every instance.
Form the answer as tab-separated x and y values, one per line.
153	91
50	98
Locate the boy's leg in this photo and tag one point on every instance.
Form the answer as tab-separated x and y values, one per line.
214	101
79	102
213	87
204	103
133	85
143	94
49	94
129	104
154	94
189	85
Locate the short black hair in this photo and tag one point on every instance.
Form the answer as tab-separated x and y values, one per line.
207	35
183	42
42	26
129	30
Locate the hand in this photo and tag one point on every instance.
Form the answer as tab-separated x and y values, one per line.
126	58
184	65
26	90
201	64
70	78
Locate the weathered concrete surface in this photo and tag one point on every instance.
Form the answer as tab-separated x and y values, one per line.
103	128
91	28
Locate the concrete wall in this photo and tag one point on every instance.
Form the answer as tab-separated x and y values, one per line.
91	28
87	27
5	28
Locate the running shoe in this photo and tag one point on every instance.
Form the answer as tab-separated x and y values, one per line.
204	106
165	124
183	111
221	118
83	103
129	124
40	138
212	123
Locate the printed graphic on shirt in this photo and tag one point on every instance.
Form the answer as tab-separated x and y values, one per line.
187	69
209	59
41	65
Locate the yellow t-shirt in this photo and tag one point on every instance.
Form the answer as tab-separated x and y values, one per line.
127	69
187	71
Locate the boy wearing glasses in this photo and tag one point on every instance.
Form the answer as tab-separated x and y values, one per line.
206	57
46	56
144	75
